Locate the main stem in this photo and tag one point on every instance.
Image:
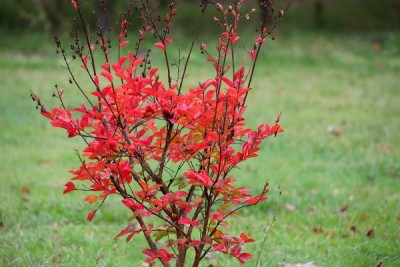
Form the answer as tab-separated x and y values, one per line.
180	260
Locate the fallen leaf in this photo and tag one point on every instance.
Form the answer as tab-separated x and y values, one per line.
25	190
100	257
317	230
353	229
56	260
344	208
330	234
370	232
331	130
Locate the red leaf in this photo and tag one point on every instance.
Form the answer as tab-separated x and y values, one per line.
130	203
124	43
69	187
184	220
96	81
255	200
244	257
160	45
195	243
91	215
151	255
107	75
74	4
164	255
152	72
91	199
245	238
84	60
129	237
128	229
220	248
201	178
235	251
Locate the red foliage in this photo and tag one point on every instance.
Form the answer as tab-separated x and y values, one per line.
168	152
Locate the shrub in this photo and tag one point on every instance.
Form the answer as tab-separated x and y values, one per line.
166	148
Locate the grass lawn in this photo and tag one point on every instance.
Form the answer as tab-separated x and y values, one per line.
334	174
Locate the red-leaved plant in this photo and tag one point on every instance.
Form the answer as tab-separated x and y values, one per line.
166	148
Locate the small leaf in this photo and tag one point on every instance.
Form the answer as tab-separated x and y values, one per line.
107	75
160	234
317	230
69	187
160	45
91	215
244	257
371	232
245	238
124	43
91	199
184	220
330	234
25	190
344	208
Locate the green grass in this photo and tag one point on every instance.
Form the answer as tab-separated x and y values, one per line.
336	167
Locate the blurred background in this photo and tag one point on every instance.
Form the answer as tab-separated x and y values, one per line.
339	15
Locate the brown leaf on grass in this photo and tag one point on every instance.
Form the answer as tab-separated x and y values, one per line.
344	208
317	230
330	234
56	260
380	264
100	257
353	230
370	232
25	190
331	130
